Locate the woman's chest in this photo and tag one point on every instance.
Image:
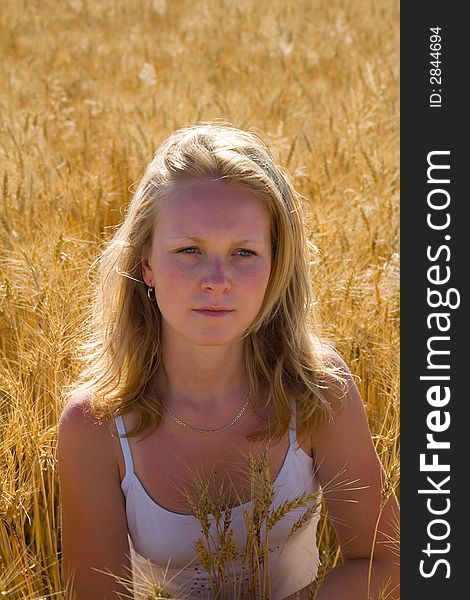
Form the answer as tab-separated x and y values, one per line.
176	469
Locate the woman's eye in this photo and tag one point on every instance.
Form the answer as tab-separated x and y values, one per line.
246	253
187	250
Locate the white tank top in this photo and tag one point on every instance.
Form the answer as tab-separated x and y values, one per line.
162	542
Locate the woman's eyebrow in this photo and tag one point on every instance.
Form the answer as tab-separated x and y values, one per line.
199	240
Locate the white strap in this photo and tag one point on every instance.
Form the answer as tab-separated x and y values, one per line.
126	450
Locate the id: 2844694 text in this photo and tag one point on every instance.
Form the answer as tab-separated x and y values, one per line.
435	71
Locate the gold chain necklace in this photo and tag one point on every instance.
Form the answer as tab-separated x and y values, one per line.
197	429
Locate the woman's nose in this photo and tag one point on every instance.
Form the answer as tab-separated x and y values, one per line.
216	277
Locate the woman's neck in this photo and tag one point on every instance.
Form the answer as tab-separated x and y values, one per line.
202	377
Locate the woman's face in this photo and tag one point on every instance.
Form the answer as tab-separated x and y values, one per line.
211	249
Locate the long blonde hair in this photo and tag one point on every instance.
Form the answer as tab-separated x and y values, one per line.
283	350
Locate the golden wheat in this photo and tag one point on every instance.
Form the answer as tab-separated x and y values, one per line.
88	91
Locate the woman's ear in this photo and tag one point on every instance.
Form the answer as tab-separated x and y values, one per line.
147	275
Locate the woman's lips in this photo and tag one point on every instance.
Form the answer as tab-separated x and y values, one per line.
213	313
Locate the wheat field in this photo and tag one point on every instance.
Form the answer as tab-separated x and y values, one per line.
89	88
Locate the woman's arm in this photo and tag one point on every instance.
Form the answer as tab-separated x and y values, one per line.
352	477
94	527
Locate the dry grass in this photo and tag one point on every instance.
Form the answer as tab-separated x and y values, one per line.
87	91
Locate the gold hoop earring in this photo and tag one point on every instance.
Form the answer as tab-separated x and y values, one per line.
151	294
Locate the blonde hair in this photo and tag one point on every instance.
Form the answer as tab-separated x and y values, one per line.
283	350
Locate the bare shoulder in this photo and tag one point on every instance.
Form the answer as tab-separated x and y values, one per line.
340	393
79	428
78	409
346	437
94	527
352	477
78	412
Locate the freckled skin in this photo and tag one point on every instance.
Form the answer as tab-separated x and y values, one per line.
217	269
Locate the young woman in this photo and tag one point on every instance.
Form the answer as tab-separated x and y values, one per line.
204	352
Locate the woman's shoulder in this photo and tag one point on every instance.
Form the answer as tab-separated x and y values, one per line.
335	378
78	410
326	356
78	423
326	353
340	391
80	427
78	404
